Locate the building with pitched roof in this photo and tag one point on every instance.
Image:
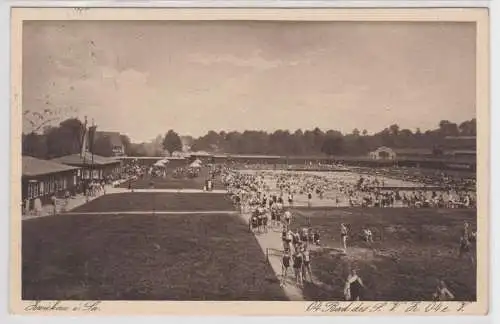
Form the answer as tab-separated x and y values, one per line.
115	141
42	179
94	167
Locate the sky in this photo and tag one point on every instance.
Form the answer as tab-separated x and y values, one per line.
142	78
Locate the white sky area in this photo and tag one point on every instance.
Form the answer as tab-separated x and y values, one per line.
142	78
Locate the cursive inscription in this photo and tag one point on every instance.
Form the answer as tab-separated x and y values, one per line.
405	307
60	306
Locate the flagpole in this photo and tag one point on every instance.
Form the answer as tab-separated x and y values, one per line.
83	155
92	146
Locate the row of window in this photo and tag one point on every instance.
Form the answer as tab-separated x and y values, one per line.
48	186
57	183
90	174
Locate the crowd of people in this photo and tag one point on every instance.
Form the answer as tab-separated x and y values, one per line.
365	191
269	196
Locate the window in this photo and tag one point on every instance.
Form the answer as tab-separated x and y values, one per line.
30	191
65	184
41	188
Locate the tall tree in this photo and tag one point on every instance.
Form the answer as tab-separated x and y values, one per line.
35	145
394	128
172	142
448	128
468	128
126	143
65	139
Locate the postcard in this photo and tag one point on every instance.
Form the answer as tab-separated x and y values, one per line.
249	161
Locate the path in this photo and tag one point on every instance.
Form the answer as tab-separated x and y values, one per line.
156	212
73	202
271	242
122	190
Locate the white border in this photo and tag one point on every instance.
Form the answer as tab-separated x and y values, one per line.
494	316
256	3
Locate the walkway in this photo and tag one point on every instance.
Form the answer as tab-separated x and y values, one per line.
122	190
157	212
73	202
272	246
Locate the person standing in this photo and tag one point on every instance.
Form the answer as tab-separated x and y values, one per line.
38	207
353	287
67	196
343	236
442	292
54	204
297	267
307	264
285	265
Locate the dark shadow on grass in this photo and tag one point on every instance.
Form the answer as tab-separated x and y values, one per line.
132	257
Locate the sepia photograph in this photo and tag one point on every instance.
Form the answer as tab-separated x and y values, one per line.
245	160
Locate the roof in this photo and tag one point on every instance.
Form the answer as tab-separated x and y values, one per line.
200	153
173	158
76	159
35	167
421	151
114	137
464	152
238	156
384	148
460	138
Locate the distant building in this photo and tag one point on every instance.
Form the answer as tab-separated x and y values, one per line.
460	143
115	140
413	153
203	156
173	161
383	153
461	146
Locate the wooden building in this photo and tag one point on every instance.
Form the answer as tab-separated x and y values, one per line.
42	179
148	161
94	167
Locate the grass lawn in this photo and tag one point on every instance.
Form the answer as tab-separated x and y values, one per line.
166	201
412	248
173	183
137	257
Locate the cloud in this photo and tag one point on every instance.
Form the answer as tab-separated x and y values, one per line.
143	78
253	61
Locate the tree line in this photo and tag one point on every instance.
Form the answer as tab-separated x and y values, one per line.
331	142
66	139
